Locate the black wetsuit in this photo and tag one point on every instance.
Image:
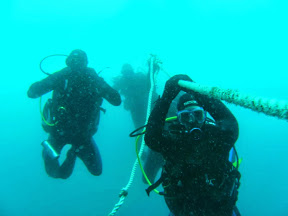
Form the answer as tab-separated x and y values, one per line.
198	179
135	90
76	101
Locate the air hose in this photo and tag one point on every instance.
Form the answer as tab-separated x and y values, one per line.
40	65
40	101
42	115
139	156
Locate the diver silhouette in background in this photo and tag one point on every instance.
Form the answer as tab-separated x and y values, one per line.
73	114
135	87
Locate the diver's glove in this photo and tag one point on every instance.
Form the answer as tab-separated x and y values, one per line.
172	88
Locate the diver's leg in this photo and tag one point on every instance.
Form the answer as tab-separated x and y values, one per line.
66	168
89	153
52	165
154	161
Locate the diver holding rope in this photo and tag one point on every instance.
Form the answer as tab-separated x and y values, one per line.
198	178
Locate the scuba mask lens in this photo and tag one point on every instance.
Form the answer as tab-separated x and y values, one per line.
200	115
196	115
185	117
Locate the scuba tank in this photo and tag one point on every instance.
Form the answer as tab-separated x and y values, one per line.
49	150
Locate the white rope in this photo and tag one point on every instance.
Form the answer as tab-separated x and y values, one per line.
124	191
269	107
149	102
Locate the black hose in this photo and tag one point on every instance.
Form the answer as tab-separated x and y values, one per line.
134	134
40	65
103	69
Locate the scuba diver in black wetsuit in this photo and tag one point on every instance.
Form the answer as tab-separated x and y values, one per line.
135	87
73	114
198	179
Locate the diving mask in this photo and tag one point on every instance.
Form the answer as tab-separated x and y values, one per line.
192	116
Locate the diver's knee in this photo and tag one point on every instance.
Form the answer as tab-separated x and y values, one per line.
55	173
96	172
52	173
64	176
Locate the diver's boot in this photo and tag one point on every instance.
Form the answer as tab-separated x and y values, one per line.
49	151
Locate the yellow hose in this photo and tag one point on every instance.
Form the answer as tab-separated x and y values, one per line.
138	157
42	116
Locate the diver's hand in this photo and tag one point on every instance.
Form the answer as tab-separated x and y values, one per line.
172	88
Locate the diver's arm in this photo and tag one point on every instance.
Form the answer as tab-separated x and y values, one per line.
223	117
107	92
154	137
46	85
